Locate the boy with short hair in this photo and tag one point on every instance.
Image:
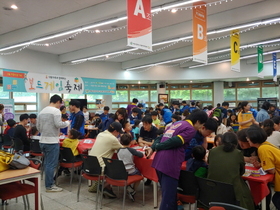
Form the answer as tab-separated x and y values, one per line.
134	115
209	127
156	121
126	154
196	164
148	132
105	115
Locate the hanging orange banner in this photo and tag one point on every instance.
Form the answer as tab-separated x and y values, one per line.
200	32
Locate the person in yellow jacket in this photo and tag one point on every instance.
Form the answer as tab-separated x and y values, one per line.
71	142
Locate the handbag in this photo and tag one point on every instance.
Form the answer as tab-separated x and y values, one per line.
19	161
5	159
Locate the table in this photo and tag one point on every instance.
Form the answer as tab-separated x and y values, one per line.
9	176
258	186
210	140
84	145
144	165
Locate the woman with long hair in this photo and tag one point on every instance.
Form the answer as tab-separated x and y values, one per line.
245	117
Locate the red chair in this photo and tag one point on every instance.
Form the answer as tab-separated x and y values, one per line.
17	189
91	171
116	175
67	160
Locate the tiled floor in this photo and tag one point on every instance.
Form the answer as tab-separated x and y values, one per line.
68	200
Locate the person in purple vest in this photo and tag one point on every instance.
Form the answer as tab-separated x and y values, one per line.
170	148
131	106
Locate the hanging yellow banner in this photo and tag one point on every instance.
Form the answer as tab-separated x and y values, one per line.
235	50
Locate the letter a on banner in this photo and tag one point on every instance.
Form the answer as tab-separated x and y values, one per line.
260	61
139	24
200	32
274	60
235	51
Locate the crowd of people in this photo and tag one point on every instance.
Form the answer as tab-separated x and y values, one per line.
177	133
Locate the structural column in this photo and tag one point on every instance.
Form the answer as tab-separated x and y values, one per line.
218	93
43	100
108	100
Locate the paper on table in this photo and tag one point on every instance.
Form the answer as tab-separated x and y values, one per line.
247	172
262	172
88	141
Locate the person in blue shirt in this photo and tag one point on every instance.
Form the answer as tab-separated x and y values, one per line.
192	107
175	107
262	114
165	113
77	117
184	107
134	115
105	115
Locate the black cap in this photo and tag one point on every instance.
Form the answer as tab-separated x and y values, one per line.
116	126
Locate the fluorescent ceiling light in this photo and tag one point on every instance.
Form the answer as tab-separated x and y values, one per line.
159	63
244	57
210	53
270	61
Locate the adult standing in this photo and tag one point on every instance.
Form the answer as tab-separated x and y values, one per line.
49	122
131	106
171	149
20	132
262	114
77	117
245	117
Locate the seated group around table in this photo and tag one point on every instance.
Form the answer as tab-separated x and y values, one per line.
179	140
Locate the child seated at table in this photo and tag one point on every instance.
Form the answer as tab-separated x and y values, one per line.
72	142
197	164
64	117
127	129
34	133
136	130
217	140
126	154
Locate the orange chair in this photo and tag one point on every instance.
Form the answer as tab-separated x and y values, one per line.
67	160
91	170
116	175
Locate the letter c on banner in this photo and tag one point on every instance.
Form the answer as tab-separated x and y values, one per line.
139	8
235	45
199	31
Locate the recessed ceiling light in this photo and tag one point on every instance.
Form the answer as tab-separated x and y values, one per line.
97	31
14	6
47	45
174	10
190	81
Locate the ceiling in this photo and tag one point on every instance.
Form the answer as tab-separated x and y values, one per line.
39	19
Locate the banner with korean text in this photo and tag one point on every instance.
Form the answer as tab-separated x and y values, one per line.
139	24
260	61
235	50
24	81
274	64
200	32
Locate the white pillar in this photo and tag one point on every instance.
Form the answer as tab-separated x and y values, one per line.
218	93
43	100
108	100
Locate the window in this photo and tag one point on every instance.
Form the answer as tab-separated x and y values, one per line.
73	96
247	94
24	97
180	94
4	95
141	95
229	95
268	92
154	96
202	95
92	98
121	96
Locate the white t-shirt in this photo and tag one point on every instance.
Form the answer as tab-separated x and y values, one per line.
86	115
274	138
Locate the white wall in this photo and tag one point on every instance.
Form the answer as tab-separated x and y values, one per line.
47	63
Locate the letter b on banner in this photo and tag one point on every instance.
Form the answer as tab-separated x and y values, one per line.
199	31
